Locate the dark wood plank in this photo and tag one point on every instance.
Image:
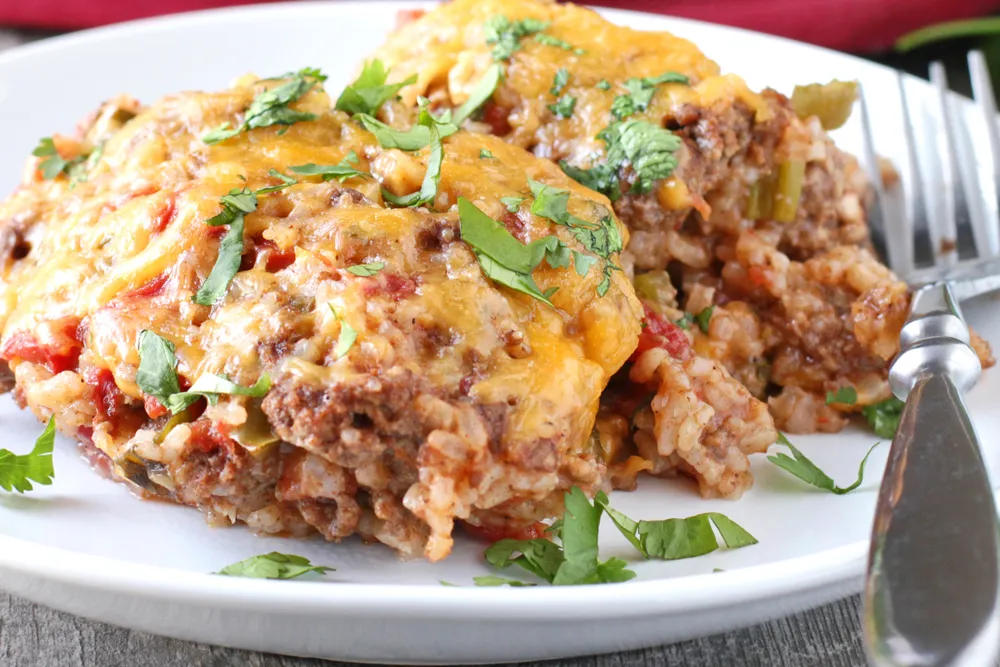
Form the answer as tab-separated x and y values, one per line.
35	636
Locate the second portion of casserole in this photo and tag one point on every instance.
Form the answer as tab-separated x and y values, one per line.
747	223
232	316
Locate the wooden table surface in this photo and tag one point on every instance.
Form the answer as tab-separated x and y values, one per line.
35	636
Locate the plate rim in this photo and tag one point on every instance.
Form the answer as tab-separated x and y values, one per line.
777	578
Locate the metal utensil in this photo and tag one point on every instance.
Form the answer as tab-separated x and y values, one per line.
932	593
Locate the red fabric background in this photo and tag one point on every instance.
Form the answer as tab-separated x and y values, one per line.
850	25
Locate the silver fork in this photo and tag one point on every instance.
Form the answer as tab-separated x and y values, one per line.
932	592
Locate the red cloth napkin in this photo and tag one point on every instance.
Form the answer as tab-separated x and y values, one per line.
849	25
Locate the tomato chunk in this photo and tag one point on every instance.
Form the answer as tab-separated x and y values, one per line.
58	355
661	332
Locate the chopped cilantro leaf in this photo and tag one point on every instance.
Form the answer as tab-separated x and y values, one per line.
210	386
503	258
559	81
843	396
53	164
270	107
884	417
341	171
365	270
602	239
549	40
18	471
603	84
156	375
286	181
704	318
601	177
576	561
685	322
672	539
650	150
806	470
506	35
414	139
640	93
428	189
370	91
484	154
493	580
513	204
273	566
479	95
348	334
563	107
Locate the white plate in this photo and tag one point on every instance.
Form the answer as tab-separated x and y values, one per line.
86	546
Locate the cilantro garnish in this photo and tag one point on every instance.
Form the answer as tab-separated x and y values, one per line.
647	148
672	539
235	205
210	386
493	580
414	139
157	377
603	239
563	107
559	81
549	40
513	204
575	561
341	171
479	95
369	92
348	334
640	93
884	417
366	270
54	164
843	396
685	321
603	84
18	471
271	106
503	258
428	189
506	35
273	566
485	154
806	470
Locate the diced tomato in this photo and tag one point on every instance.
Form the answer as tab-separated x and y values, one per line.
166	214
757	276
153	407
206	437
277	259
496	117
496	533
404	16
392	284
59	355
661	332
153	288
107	396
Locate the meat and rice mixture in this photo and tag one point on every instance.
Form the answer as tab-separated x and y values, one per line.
749	244
369	316
407	388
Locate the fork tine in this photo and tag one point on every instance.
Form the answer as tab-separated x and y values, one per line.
943	227
921	249
878	217
982	91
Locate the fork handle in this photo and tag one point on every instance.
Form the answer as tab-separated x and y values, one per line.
933	583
